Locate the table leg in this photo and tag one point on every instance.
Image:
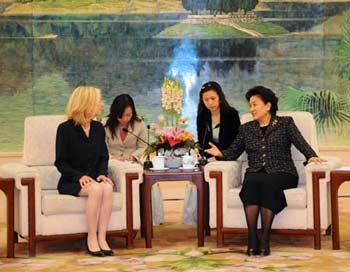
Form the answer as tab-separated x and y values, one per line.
200	211
206	208
335	215
147	212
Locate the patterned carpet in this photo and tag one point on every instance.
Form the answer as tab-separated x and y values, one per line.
174	249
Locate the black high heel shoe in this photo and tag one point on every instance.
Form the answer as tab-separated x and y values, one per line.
107	252
252	252
98	253
265	252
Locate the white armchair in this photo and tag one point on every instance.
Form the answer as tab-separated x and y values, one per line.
308	211
41	213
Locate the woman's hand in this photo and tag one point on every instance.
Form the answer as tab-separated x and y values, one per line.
214	151
316	160
103	178
85	180
130	158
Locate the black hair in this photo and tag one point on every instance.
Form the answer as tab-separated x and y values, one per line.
266	95
212	86
120	103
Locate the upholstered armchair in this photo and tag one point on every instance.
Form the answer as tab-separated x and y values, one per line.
41	213
308	211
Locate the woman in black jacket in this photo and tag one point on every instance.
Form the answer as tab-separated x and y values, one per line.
267	140
82	160
217	121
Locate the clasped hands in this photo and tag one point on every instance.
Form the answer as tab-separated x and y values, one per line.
86	180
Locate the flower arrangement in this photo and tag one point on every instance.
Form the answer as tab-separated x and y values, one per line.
170	136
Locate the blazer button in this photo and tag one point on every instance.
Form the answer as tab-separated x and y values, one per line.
264	155
263	163
263	147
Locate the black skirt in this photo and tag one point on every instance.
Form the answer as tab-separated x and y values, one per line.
266	190
69	188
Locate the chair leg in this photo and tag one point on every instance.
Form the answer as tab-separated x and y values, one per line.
219	238
32	246
317	240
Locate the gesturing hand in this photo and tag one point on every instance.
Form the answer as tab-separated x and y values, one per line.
316	160
214	151
85	180
103	178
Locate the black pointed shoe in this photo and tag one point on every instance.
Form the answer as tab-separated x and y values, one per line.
107	252
252	252
265	252
98	253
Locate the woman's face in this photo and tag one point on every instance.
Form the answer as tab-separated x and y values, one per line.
99	108
96	111
258	108
126	117
211	100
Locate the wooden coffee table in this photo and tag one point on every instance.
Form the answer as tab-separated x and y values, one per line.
338	177
151	177
7	185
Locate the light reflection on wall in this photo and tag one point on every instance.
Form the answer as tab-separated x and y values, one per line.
184	68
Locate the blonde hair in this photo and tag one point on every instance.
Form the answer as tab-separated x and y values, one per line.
82	104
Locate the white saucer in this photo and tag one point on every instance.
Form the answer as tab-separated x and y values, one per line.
158	169
188	168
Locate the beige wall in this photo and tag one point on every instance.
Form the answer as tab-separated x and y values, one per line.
342	153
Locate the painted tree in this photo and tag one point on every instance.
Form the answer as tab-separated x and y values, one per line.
194	5
229	5
214	5
248	5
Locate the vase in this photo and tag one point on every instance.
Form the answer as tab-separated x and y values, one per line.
173	157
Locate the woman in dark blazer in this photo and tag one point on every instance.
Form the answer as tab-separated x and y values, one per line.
82	160
217	121
267	140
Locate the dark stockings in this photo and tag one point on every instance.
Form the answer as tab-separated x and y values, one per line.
251	215
267	217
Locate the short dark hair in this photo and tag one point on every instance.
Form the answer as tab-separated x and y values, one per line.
212	86
266	95
120	103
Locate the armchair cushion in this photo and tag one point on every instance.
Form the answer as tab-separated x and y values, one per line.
54	203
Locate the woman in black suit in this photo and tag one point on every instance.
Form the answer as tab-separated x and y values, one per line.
82	160
217	121
267	140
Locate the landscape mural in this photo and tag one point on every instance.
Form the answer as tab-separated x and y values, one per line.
299	48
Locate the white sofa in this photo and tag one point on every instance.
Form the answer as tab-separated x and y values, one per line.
41	213
300	217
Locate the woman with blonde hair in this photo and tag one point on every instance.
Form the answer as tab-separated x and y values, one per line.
82	159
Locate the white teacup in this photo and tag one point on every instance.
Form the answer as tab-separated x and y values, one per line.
158	162
187	161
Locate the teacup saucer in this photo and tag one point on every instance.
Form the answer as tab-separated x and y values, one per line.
158	169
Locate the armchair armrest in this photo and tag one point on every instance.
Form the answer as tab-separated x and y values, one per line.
27	196
118	172
231	177
19	171
323	175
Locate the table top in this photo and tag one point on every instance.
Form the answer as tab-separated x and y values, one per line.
174	172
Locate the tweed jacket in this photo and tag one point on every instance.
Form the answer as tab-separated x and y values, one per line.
131	145
271	151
